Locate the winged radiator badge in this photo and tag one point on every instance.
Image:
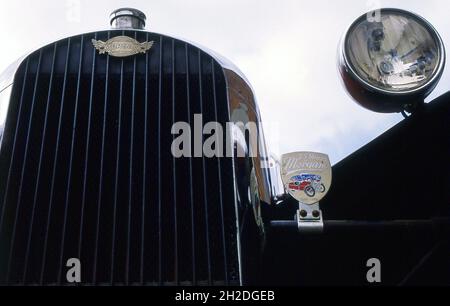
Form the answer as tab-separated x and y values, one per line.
122	46
306	176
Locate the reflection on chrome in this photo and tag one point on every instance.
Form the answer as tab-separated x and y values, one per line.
4	103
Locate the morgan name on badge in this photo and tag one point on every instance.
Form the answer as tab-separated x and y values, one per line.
122	46
306	176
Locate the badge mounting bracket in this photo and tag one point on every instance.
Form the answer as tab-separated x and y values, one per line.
309	218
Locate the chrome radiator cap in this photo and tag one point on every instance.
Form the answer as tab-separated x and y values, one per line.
128	18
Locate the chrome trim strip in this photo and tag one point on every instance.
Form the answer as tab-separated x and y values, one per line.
5	97
236	208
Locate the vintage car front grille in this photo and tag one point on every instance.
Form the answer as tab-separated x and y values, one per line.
86	169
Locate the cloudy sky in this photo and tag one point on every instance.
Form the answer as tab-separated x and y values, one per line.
286	48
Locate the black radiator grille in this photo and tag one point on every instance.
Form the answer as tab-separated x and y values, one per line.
86	169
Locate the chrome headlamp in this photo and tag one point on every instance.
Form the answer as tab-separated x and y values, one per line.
391	62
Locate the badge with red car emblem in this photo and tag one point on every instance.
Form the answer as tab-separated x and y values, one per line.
306	176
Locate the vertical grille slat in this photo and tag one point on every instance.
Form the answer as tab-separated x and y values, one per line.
144	173
35	194
205	179
89	136
70	171
130	194
159	178
86	157
191	182
101	171
174	165
116	185
53	176
219	179
22	175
